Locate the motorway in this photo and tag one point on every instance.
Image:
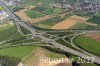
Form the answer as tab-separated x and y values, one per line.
73	45
51	41
80	48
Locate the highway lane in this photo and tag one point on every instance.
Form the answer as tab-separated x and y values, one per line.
75	30
16	19
75	35
33	31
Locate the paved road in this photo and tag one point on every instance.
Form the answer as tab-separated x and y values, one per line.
71	43
33	31
80	48
75	30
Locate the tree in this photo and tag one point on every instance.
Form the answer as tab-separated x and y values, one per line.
9	61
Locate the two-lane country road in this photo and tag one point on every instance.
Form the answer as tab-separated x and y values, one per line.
33	31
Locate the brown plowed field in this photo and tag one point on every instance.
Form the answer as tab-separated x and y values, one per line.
71	21
65	24
95	36
23	16
35	20
55	64
33	59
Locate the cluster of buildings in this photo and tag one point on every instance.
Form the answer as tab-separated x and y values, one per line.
85	5
11	2
3	16
64	6
89	5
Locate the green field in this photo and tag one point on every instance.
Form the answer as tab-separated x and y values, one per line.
1	8
85	14
94	19
40	52
58	10
6	31
40	8
50	11
79	26
97	14
17	8
35	2
88	64
20	52
49	23
83	26
33	14
89	44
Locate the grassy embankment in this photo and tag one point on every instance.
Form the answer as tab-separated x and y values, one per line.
6	31
89	44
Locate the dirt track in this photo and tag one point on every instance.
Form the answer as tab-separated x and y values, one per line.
71	21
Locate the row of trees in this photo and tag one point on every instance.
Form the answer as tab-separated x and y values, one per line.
95	19
9	61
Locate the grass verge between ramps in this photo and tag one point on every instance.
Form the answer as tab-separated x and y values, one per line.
88	44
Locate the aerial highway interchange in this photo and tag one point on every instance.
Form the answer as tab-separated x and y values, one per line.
34	32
